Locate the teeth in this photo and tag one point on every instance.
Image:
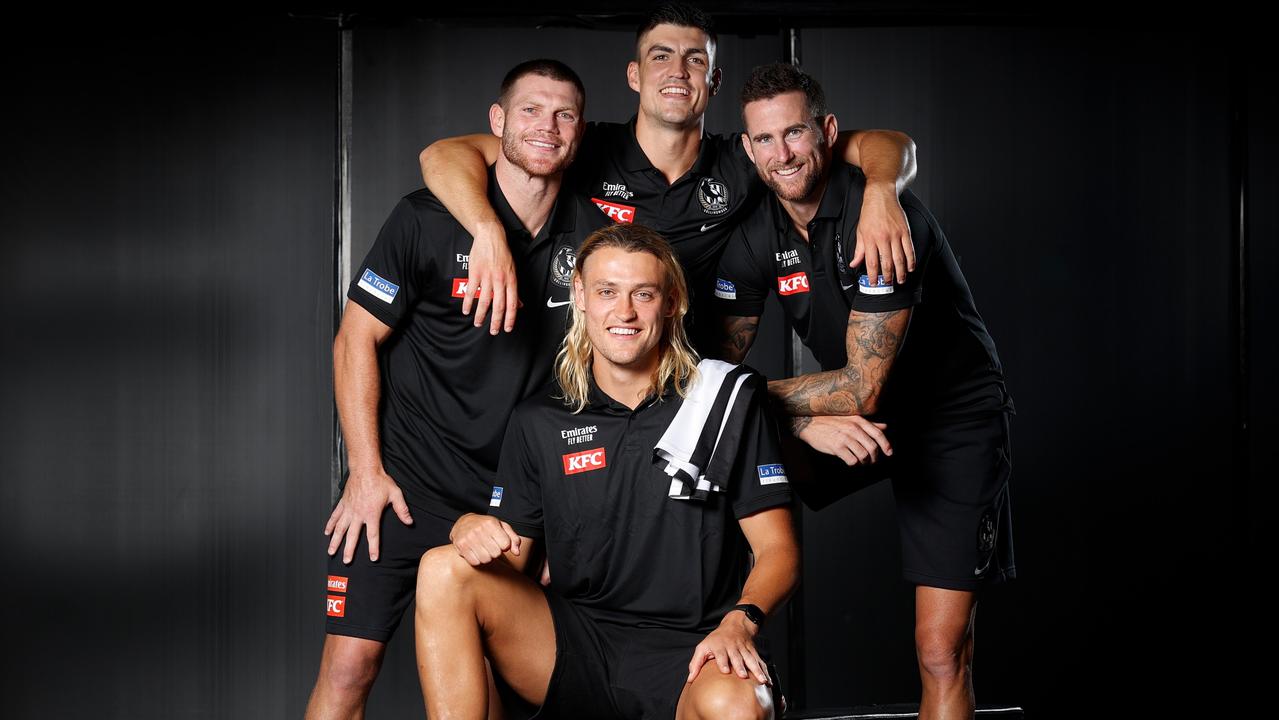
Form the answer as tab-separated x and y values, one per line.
674	91
788	171
623	331
538	143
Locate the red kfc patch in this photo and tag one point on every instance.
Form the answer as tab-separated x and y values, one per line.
337	606
459	287
584	461
615	211
791	284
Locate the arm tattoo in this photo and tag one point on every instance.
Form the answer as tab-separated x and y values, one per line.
737	334
872	343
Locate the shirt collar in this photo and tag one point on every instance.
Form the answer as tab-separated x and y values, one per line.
835	198
599	400
562	219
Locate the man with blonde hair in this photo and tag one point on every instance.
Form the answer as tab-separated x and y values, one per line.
648	585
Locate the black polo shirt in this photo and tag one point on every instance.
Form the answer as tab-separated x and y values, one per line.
618	545
448	387
695	214
946	368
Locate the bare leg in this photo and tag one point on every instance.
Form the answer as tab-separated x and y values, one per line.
464	613
715	695
348	667
944	621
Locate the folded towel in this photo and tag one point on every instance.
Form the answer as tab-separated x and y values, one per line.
699	447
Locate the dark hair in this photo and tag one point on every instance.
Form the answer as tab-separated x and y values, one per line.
769	81
681	15
542	67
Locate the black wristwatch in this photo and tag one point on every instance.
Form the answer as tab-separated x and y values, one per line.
753	613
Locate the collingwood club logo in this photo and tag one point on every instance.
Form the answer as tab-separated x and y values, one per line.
713	195
562	265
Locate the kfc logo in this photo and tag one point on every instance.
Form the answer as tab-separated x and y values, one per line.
584	461
337	583
337	606
791	284
459	287
616	212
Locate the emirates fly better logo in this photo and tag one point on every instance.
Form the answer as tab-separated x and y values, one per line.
584	461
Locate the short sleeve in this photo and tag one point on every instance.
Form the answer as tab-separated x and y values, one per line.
517	496
386	283
759	477
741	287
892	297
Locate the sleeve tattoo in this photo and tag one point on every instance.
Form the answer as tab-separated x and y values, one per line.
872	341
737	334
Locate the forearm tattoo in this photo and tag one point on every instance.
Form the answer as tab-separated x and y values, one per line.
736	337
872	343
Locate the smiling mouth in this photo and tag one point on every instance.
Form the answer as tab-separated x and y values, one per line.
787	172
622	331
542	144
674	91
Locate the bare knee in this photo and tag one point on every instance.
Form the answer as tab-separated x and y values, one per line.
442	573
350	665
732	701
944	655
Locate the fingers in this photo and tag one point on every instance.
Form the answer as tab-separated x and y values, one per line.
700	655
859	252
875	431
401	507
483	303
755	665
352	538
512	305
332	523
908	246
375	539
546	572
899	260
872	266
472	283
339	530
514	537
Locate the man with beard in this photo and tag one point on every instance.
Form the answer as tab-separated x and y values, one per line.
422	394
662	171
937	390
651	612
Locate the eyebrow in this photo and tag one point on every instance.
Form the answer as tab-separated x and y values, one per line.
796	126
663	48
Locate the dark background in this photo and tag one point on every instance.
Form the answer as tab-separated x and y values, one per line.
169	210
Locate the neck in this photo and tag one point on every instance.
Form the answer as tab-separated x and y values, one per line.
628	385
530	196
672	150
803	211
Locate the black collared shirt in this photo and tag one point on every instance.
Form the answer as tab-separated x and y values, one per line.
448	387
947	366
696	213
618	544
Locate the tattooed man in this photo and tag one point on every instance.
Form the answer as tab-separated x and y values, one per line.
909	360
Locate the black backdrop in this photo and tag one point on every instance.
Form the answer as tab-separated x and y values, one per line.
169	204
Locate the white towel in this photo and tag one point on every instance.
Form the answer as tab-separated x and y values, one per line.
698	448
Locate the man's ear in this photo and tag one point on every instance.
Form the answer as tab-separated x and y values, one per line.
497	119
746	144
632	75
579	292
830	128
717	78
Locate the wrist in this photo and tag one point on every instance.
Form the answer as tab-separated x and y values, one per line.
750	617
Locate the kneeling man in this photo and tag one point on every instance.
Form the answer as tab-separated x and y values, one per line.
650	580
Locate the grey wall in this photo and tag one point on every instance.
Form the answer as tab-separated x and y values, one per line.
167	223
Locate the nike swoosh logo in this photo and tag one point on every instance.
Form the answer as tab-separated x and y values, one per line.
552	304
708	227
848	287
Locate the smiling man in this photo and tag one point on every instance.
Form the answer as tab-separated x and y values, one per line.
428	454
908	361
651	612
662	170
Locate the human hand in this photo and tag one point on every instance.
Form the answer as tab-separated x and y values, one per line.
732	647
481	539
491	275
364	498
851	438
883	235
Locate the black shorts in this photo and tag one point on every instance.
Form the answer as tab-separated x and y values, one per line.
607	671
367	599
950	482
